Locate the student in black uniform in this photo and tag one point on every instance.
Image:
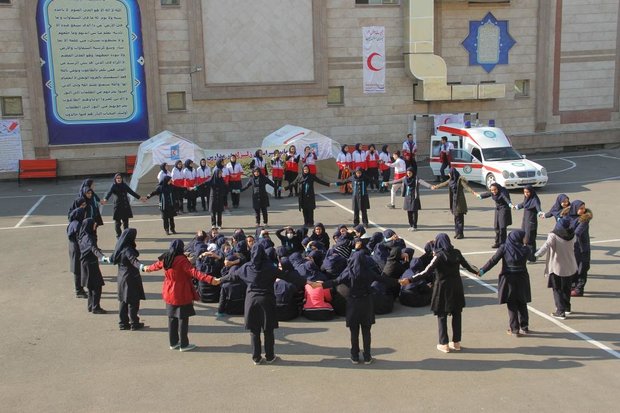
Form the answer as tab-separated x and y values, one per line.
319	235
503	216
307	201
457	185
562	201
513	284
260	199
420	292
129	280
359	190
122	208
448	295
411	195
167	205
90	254
73	231
260	303
531	212
580	217
359	276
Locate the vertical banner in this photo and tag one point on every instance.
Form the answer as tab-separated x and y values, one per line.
373	55
10	145
92	64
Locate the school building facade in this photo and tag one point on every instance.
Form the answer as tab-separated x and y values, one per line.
226	73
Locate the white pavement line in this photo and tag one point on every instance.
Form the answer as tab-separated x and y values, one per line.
591	181
570	157
105	222
609	157
605	241
572	166
563	326
30	211
478	252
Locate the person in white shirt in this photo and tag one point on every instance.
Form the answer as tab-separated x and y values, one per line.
444	157
410	148
163	172
189	181
400	171
203	174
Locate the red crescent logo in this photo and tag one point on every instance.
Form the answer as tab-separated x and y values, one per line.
369	62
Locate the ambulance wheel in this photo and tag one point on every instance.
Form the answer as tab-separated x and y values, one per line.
490	180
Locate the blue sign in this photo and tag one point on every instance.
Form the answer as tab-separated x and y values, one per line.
488	42
92	64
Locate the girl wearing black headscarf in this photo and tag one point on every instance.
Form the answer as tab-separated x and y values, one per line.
189	181
163	171
411	195
562	201
531	211
260	199
165	191
307	202
503	215
203	175
291	168
359	275
73	231
359	190
344	161
580	218
129	281
219	191
448	295
122	208
513	284
259	274
178	292
418	293
384	159
90	254
458	204
87	192
319	235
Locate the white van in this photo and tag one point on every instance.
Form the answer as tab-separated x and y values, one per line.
485	155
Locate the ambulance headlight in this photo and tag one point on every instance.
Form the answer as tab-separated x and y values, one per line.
505	174
543	172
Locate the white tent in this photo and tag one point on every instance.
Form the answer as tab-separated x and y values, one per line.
163	147
326	148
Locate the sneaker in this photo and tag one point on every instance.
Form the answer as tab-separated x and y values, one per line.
411	229
189	347
355	361
258	362
524	331
99	311
81	294
219	315
455	346
567	312
513	333
137	326
123	327
459	236
175	347
558	315
443	348
391	206
174	232
273	360
368	361
495	246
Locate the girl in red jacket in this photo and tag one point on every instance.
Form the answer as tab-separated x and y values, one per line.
179	292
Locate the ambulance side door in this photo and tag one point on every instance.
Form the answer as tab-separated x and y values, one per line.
467	165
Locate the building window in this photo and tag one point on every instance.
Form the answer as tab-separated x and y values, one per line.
170	2
335	95
176	101
522	88
377	2
11	106
5	2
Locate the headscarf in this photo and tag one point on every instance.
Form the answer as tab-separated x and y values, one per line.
256	155
533	202
420	263
258	256
239	235
557	207
388	233
188	164
574	208
343	150
514	248
454	179
162	166
375	239
88	237
442	243
220	163
500	191
233	163
75	221
164	187
177	247
318	257
358	147
205	165
563	229
372	145
114	183
384	149
176	165
360	229
86	183
126	240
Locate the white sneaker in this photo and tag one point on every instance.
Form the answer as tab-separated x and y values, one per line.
411	229
176	347
189	347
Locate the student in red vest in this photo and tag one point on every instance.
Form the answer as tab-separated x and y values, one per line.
372	166
203	174
259	162
345	163
358	158
235	171
409	151
277	172
309	158
178	181
384	159
189	181
291	168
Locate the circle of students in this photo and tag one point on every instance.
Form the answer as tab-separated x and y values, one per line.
351	273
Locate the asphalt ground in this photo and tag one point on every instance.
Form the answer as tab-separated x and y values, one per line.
57	357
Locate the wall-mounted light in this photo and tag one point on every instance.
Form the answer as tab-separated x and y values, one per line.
195	69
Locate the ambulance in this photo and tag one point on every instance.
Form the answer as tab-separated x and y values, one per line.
485	155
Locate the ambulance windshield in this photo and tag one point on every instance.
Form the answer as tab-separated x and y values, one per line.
501	154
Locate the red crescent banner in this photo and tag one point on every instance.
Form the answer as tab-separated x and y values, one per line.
373	46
